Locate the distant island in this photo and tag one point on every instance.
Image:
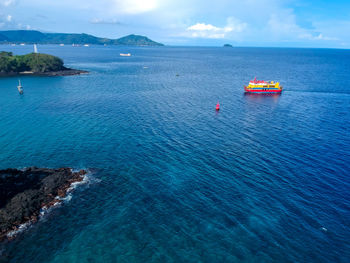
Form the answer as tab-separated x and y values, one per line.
34	64
227	45
37	37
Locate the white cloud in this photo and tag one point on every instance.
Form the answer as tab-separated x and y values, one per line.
320	36
105	21
106	7
283	26
336	29
203	27
7	2
203	30
135	6
7	22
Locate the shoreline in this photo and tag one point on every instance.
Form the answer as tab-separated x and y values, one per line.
26	193
60	73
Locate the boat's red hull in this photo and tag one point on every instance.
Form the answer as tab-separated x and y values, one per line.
262	90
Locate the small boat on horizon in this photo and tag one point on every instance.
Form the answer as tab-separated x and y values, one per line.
262	86
19	87
125	54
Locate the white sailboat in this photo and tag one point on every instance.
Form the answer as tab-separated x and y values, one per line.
19	87
35	49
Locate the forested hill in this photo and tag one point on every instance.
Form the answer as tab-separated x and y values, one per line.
36	63
32	36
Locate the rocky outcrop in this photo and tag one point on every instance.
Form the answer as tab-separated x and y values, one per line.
60	73
66	72
23	193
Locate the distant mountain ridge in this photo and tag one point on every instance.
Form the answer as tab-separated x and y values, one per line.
32	36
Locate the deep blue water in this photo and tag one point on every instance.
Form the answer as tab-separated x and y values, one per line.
264	180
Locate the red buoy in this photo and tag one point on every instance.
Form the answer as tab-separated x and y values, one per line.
217	106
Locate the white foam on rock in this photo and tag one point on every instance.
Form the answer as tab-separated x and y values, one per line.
20	229
45	210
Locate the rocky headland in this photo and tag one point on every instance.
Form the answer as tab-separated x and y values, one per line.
34	64
23	193
59	73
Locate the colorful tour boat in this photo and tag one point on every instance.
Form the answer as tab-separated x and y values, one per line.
262	86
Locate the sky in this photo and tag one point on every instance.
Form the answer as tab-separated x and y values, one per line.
265	23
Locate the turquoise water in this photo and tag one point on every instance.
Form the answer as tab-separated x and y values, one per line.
266	179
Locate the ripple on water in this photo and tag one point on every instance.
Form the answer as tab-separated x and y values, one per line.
259	181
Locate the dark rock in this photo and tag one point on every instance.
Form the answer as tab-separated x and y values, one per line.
65	72
24	193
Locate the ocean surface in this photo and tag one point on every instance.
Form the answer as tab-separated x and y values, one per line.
266	179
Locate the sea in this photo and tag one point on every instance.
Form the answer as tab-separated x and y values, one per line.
265	179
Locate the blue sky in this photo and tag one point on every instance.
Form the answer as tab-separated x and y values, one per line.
276	23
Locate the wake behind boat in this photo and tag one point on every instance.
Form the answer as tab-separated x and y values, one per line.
262	86
19	87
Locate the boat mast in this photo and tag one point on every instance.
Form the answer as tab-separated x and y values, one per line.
35	49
